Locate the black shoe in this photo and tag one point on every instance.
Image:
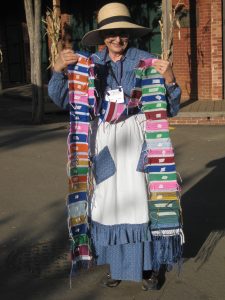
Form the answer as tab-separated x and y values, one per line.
109	282
151	283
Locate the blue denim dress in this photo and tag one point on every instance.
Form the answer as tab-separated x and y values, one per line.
120	230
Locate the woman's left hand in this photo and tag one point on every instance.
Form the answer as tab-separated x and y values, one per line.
165	69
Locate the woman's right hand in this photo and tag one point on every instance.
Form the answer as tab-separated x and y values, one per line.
65	58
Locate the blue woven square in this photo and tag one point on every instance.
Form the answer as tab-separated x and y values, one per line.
103	165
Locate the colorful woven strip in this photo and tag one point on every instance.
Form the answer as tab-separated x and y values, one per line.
163	187
81	100
160	169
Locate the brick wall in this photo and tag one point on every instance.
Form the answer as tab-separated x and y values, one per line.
203	48
198	54
216	50
214	120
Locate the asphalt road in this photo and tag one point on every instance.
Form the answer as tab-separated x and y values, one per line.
34	262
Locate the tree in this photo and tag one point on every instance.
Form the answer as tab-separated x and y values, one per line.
33	18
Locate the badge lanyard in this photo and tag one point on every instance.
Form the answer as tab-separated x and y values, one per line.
115	95
113	74
110	69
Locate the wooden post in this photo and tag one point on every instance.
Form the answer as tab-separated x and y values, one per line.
57	10
33	17
56	7
38	109
29	18
167	28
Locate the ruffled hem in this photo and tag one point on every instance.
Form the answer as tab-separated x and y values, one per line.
108	235
128	261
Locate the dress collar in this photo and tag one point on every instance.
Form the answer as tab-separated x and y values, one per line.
104	56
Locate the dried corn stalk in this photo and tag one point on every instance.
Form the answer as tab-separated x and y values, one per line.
167	42
53	30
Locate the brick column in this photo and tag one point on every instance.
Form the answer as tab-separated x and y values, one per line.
216	50
204	50
198	55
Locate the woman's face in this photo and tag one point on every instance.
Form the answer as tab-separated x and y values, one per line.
116	41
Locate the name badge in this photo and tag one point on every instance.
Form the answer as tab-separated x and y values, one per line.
115	95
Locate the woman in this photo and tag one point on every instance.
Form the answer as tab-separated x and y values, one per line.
119	210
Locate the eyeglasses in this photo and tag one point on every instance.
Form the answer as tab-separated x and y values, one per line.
114	34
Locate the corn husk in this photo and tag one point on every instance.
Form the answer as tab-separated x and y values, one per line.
167	52
53	30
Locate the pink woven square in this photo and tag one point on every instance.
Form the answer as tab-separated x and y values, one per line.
91	92
157	126
147	62
164	186
160	152
79	127
74	97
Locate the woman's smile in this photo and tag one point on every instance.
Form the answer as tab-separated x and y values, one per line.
116	44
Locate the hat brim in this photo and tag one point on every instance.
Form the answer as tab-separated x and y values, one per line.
94	37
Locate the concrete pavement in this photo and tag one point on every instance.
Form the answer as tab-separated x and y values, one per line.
33	232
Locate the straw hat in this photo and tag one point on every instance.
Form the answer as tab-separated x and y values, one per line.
113	16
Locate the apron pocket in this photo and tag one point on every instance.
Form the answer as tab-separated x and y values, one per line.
103	165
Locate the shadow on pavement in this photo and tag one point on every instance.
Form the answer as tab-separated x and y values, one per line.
27	262
37	270
31	135
204	213
17	111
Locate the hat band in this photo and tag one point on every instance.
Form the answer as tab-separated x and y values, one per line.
114	19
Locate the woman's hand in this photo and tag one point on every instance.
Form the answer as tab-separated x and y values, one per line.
165	69
65	58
